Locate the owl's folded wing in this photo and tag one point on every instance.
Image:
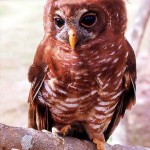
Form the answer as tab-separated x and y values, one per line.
128	97
37	81
39	116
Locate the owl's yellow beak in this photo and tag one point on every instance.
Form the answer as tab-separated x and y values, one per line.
72	38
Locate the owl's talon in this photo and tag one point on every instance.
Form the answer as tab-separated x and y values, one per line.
55	131
65	130
100	144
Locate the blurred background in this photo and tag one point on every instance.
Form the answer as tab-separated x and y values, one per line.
21	30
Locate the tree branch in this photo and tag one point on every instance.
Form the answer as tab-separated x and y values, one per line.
27	138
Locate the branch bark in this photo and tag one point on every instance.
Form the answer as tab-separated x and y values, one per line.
27	138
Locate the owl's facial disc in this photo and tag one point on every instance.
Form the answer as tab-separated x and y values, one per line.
87	20
59	23
78	27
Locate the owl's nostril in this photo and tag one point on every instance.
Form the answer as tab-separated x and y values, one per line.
72	38
72	32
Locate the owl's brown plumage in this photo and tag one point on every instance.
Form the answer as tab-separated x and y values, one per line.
84	70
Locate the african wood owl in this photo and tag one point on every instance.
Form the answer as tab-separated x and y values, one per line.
84	71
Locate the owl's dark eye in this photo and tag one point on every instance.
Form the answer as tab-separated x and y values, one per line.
88	20
59	22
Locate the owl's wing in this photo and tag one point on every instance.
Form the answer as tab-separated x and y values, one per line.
39	116
36	77
128	97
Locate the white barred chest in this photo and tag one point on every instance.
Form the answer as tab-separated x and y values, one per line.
70	99
86	89
77	100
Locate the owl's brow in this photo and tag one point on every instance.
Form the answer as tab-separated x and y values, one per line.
60	13
78	13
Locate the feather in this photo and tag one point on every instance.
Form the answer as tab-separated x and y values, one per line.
128	97
39	116
36	82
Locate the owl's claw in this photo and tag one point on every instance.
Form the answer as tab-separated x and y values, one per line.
100	144
61	132
55	131
65	130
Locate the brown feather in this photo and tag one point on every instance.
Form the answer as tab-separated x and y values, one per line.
129	96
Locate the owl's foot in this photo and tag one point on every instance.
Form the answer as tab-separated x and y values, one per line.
100	144
61	132
56	132
65	130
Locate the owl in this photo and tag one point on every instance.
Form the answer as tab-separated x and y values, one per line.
84	70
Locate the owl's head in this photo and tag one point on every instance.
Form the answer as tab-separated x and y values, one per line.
77	22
